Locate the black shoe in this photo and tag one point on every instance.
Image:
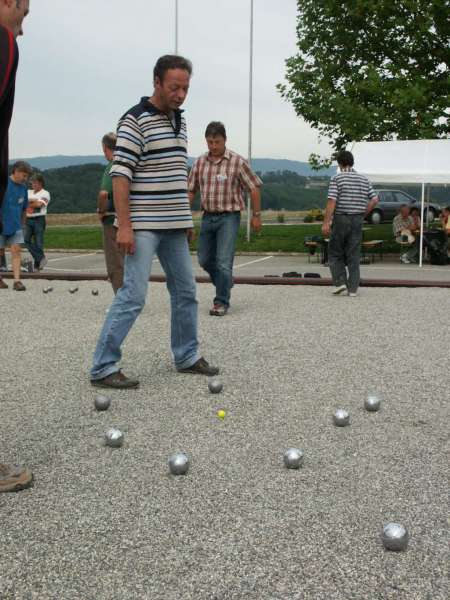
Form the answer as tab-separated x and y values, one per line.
201	367
117	381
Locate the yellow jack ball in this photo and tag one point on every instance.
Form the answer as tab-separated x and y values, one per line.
221	414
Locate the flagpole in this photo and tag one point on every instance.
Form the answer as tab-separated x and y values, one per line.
176	26
250	117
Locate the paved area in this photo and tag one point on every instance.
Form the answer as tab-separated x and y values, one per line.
104	524
260	265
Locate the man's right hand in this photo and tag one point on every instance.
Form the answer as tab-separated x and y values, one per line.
326	228
125	240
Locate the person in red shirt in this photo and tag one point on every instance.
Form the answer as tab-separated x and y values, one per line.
12	14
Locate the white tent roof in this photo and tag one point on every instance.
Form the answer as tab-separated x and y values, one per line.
409	161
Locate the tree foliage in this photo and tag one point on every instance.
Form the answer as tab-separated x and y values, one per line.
372	69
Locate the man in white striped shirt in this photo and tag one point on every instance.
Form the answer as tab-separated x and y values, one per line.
154	218
350	198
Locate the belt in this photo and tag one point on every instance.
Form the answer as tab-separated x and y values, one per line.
224	212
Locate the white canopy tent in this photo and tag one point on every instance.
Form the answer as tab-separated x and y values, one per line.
407	161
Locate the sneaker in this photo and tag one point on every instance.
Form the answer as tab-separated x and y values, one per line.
405	260
339	289
3	268
19	287
117	381
42	264
3	285
218	310
14	479
201	367
352	294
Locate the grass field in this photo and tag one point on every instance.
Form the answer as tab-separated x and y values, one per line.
273	238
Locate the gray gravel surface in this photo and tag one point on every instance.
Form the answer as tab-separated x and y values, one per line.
103	523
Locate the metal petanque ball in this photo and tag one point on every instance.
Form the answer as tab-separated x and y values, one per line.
215	386
372	403
179	463
94	292
341	418
394	537
114	438
293	458
73	290
45	290
102	402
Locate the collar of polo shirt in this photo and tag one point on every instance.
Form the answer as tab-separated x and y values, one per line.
212	159
145	101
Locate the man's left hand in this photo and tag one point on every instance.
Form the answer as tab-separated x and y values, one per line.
190	233
256	223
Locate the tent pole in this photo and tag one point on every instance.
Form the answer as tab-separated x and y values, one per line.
421	225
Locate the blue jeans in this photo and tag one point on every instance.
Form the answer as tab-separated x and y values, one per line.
34	237
216	247
172	249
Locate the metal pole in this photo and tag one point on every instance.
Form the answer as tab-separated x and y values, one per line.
176	26
250	117
421	224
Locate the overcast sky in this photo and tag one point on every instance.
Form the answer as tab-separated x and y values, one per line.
84	62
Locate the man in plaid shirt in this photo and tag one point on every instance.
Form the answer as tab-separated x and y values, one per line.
223	177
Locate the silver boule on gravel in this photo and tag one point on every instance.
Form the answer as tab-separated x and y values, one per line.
395	537
73	290
215	386
94	292
102	402
372	403
341	418
179	463
114	438
293	458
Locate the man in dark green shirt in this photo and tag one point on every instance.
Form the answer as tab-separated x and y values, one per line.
107	215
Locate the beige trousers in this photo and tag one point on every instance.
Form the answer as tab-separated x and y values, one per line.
113	257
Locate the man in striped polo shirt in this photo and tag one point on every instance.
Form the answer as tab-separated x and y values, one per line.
12	477
350	198
223	177
153	216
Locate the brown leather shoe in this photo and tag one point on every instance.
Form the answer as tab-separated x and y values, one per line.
3	285
201	367
19	287
14	478
117	381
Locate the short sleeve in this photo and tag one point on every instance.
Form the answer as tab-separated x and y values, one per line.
193	183
371	193
333	189
128	149
247	177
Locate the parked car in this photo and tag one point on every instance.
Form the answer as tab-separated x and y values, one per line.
390	202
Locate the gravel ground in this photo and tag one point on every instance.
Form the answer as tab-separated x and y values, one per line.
112	524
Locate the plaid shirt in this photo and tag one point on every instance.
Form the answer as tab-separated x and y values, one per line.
222	183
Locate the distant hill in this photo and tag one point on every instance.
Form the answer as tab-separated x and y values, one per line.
43	163
263	165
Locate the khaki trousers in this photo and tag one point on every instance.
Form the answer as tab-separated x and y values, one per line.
113	257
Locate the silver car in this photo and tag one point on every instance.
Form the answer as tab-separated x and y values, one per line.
389	205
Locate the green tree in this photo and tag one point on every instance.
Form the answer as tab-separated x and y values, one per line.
371	69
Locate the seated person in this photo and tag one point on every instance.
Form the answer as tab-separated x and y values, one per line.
445	220
404	231
415	214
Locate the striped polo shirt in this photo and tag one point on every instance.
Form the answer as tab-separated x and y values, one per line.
351	191
151	151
